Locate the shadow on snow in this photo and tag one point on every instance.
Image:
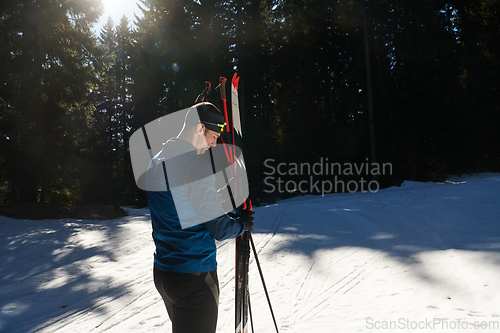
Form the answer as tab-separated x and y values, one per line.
46	272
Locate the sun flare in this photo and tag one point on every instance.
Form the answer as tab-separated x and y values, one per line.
111	5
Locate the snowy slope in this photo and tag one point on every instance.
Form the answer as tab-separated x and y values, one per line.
420	257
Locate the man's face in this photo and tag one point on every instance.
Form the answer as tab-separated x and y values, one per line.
210	140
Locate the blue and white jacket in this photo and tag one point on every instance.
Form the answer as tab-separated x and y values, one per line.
191	249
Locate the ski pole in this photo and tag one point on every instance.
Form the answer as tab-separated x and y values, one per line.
263	282
222	85
250	312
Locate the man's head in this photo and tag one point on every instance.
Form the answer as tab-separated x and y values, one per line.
210	116
203	125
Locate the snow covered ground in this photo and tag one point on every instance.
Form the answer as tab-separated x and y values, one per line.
415	258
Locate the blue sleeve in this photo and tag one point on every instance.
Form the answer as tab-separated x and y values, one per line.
225	227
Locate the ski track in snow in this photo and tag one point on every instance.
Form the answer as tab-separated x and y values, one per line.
336	263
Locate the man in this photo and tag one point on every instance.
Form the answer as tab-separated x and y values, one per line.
187	217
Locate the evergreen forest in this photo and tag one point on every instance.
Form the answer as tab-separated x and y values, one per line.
411	83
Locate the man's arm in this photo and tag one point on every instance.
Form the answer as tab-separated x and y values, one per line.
199	183
225	227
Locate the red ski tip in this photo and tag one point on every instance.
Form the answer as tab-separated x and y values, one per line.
235	81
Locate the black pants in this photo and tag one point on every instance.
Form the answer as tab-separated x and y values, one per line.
192	300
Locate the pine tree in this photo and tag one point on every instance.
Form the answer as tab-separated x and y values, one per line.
47	48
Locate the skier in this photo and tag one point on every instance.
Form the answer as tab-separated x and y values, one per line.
185	266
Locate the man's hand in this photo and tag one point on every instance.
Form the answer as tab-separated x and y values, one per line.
246	216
